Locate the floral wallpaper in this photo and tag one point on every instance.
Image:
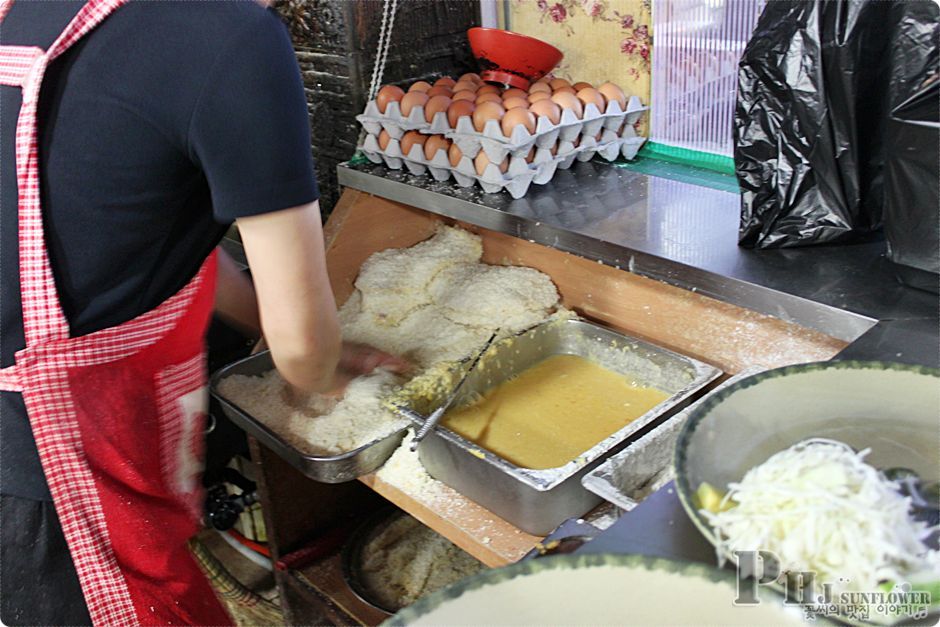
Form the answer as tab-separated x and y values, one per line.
603	40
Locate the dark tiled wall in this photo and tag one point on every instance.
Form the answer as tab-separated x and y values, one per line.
336	43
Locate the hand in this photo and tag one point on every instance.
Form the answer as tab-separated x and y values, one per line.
358	359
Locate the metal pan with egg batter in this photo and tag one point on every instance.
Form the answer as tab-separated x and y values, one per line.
537	501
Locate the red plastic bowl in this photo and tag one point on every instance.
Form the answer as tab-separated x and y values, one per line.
510	58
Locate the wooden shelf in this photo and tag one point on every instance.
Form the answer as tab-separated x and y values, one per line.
476	530
338	602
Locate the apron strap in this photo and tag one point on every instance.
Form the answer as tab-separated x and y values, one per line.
10	380
16	63
43	318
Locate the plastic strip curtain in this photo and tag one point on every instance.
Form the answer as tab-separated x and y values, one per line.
697	44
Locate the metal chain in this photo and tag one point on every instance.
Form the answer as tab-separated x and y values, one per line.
385	39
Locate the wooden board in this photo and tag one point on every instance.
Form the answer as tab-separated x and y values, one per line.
341	605
729	337
475	529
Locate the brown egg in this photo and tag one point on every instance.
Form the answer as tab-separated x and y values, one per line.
567	100
488	89
435	104
420	86
458	109
539	95
581	85
515	103
554	149
540	87
512	92
529	157
388	93
464	95
482	161
566	88
434	144
472	77
487	111
454	155
445	81
589	95
488	97
612	92
558	83
465	86
384	139
411	138
440	90
411	100
516	117
546	109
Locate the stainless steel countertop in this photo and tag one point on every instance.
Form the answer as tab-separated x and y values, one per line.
686	235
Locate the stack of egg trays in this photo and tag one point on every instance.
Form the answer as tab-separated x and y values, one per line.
516	180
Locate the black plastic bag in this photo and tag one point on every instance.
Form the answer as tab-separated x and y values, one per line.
809	122
912	146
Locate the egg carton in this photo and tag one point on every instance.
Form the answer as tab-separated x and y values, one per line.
394	123
543	165
516	180
492	140
498	146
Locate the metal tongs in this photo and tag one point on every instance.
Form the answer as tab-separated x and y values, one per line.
438	413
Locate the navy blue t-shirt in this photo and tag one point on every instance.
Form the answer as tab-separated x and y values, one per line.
159	128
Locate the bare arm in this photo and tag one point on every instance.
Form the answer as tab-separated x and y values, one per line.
235	300
297	310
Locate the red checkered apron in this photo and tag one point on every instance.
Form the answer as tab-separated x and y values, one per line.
118	415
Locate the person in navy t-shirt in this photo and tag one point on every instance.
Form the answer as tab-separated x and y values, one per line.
160	128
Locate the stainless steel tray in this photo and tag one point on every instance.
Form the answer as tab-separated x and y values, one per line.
537	501
326	469
644	466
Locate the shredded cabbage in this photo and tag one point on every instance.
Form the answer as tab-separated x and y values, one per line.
818	506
